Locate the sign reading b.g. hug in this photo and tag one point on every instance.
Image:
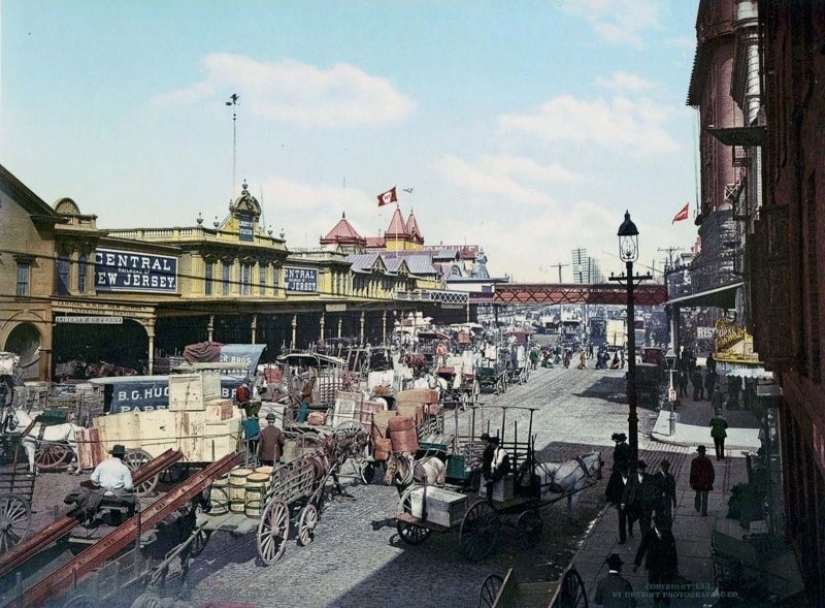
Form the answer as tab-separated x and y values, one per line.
131	271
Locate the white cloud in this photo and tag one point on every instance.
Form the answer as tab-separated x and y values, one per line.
635	126
504	176
298	93
617	21
624	81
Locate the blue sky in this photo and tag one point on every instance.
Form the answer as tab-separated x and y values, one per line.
527	128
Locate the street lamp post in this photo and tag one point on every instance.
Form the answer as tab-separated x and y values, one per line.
629	252
670	357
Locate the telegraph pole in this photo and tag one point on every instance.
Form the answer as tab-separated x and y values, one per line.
559	266
233	101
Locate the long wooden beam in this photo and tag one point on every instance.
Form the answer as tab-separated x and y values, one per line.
645	294
61	527
81	566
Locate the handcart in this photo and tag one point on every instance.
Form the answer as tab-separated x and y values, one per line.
509	592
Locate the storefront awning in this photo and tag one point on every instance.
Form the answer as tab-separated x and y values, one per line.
723	297
742	370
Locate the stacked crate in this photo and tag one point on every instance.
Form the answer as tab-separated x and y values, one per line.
443	507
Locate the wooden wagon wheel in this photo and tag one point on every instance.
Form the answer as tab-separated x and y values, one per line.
146	600
51	456
410	533
489	591
480	530
306	524
572	593
135	459
273	531
528	528
15	521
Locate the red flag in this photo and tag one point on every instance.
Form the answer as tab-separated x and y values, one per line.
682	215
385	198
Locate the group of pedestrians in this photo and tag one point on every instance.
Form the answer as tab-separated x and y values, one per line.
650	500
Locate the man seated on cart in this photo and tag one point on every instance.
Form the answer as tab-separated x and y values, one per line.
115	479
495	463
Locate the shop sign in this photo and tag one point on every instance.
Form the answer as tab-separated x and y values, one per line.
90	320
131	271
335	307
301	279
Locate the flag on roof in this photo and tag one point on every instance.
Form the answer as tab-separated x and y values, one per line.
385	198
682	215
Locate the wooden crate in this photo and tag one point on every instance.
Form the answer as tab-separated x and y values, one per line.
90	450
211	385
347	405
186	392
220	409
416	396
119	428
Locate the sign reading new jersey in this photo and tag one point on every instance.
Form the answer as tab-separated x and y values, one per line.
301	279
130	271
245	227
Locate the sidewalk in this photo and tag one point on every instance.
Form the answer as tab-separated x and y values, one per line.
692	531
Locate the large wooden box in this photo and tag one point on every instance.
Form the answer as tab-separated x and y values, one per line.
444	507
220	409
186	392
416	396
347	406
503	490
90	450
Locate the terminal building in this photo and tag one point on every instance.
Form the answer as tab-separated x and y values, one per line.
73	291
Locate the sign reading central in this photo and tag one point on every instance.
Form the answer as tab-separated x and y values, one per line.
301	279
130	271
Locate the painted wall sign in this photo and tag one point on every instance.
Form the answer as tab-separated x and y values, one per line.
147	393
301	279
245	226
90	320
249	354
130	271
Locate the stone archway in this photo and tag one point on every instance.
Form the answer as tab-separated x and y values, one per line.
26	340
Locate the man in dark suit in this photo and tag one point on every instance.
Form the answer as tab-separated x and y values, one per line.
658	547
614	591
639	498
665	492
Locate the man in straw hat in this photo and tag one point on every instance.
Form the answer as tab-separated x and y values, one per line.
115	478
614	591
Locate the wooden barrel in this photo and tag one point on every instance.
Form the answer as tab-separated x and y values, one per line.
382	449
256	486
266	470
403	434
219	496
237	489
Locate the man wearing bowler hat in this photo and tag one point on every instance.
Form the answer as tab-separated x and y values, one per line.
270	442
614	591
115	478
702	476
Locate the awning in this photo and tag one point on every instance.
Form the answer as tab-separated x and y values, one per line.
723	297
739	136
742	370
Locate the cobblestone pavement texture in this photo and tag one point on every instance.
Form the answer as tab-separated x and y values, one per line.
357	558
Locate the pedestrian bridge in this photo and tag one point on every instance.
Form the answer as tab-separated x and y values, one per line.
603	293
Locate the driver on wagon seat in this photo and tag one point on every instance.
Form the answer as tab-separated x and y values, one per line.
115	478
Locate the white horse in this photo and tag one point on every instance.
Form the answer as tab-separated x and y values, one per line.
567	478
402	470
19	422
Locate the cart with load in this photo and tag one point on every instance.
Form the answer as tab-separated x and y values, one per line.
458	381
479	519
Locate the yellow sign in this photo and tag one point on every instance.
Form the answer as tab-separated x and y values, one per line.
733	343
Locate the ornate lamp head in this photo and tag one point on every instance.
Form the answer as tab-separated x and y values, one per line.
628	240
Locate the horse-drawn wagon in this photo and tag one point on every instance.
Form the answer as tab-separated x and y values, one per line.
479	518
16	491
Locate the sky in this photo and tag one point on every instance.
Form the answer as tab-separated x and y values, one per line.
527	128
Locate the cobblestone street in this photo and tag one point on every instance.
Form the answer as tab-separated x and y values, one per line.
357	557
